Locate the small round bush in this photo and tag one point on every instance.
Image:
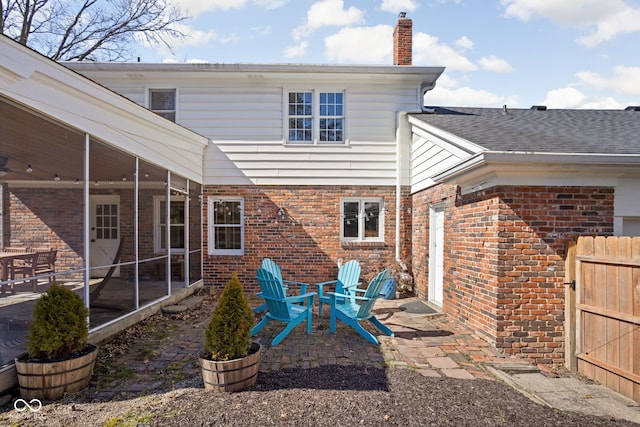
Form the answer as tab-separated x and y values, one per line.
228	334
59	328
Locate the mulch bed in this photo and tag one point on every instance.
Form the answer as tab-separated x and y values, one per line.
331	395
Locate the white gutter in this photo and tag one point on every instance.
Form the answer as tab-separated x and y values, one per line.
513	157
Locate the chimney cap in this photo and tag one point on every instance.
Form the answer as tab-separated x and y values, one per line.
402	15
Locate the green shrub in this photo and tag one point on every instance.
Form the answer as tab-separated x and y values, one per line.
228	334
59	326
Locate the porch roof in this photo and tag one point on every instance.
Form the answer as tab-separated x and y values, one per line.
31	81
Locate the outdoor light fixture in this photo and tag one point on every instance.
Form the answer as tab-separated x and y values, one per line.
56	178
29	169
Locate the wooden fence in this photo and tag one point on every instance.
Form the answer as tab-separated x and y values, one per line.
603	315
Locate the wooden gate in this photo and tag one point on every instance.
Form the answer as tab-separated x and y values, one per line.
607	311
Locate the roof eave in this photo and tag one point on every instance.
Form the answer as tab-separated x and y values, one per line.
493	160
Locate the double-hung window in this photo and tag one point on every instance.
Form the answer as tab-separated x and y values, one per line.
316	117
362	219
176	223
163	103
226	226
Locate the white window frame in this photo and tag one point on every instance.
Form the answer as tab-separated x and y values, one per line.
157	226
163	89
211	226
361	219
315	116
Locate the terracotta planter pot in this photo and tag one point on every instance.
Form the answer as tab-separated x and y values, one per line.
51	380
231	375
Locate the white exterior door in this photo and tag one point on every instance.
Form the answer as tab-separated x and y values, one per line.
436	253
105	233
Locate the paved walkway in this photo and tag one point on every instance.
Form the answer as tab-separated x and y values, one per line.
434	345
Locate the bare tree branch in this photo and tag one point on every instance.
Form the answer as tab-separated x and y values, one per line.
98	30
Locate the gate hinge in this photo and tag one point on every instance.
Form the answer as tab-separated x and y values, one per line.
571	284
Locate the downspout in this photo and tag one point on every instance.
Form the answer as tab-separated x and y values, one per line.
402	127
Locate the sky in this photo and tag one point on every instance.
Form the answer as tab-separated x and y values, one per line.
519	53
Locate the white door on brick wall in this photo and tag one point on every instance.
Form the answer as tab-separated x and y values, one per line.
104	233
436	253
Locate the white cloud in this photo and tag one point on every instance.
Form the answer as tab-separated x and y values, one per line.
572	13
610	17
625	80
365	45
261	30
397	6
231	38
427	50
464	43
494	64
627	21
196	61
270	4
192	38
449	93
326	13
198	7
572	98
296	50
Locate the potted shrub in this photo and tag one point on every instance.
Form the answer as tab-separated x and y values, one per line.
229	359
58	360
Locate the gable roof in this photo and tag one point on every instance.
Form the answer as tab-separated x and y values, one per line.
483	147
541	131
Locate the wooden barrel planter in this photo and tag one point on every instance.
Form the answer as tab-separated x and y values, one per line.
230	375
51	380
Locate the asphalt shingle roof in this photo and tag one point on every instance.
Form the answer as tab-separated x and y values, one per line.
550	131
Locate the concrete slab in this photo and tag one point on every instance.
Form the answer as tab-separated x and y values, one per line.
462	374
572	394
442	362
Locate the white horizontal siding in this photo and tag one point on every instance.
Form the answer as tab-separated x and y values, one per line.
427	159
246	121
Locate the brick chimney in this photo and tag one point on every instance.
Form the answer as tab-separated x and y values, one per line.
403	40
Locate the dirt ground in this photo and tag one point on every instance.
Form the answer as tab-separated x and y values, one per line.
173	394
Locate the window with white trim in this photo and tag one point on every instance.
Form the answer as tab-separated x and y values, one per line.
176	224
163	103
362	219
315	117
226	226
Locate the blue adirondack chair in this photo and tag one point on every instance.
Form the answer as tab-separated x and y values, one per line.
357	308
291	310
347	282
273	268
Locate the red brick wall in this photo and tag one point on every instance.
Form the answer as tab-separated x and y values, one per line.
504	259
46	217
306	244
53	217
